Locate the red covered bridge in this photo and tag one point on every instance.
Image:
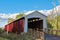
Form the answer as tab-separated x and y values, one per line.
32	20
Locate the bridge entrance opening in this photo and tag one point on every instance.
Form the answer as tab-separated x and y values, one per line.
35	23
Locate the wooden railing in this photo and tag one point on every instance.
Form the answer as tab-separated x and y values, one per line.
36	33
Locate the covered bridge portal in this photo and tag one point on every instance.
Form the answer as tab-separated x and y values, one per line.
35	20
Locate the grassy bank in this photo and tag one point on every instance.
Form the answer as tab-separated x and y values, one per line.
23	36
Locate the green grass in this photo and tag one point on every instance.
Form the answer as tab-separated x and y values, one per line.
1	38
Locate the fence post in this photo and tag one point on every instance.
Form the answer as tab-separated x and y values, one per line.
34	34
37	33
31	32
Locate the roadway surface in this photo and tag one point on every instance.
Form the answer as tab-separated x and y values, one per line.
50	37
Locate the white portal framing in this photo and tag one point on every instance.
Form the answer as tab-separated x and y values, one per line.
34	14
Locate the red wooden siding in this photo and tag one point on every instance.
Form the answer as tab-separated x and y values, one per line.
5	28
22	25
17	26
14	28
10	27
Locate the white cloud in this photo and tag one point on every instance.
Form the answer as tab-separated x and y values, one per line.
13	15
3	23
4	17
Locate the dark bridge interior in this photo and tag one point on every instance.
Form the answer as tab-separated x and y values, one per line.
35	23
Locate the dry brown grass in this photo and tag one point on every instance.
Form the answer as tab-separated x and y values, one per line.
30	35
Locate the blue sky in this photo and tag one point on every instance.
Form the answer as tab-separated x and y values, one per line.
8	7
13	6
